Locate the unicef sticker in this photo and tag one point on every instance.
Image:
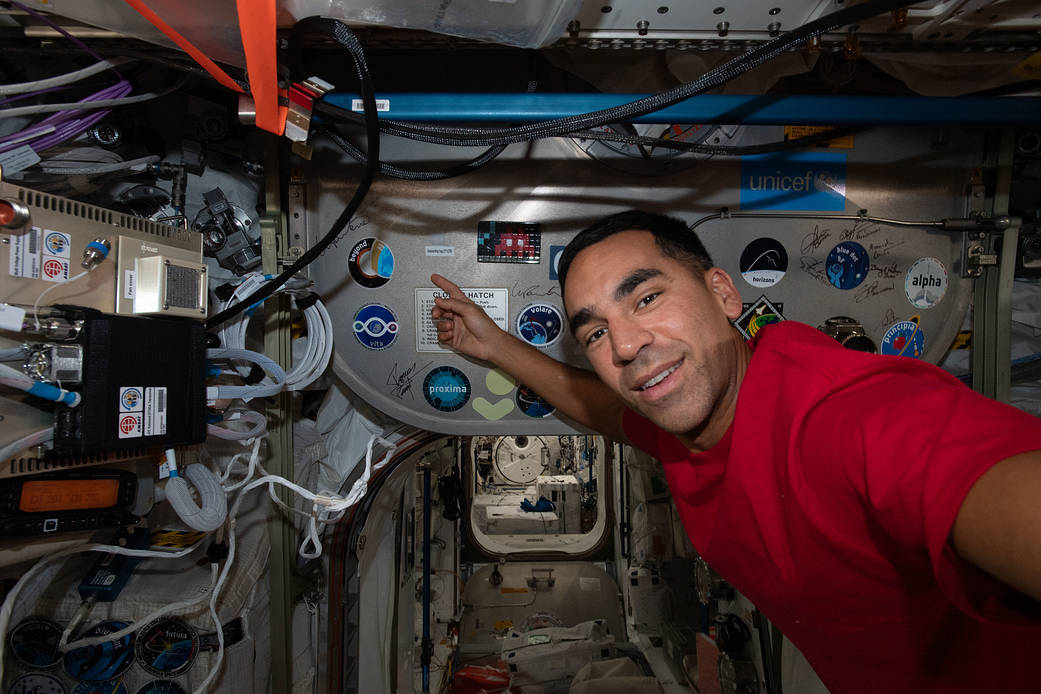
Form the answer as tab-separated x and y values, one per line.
847	265
904	338
375	326
540	324
446	388
529	402
371	263
925	282
764	262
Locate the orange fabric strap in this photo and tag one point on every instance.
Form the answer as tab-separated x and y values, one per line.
186	45
257	26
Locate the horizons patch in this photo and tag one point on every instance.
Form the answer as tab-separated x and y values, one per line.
847	265
761	313
764	262
813	181
446	388
904	338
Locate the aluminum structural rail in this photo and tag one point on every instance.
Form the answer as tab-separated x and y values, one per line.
710	108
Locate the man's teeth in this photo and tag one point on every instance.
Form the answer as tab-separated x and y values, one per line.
659	378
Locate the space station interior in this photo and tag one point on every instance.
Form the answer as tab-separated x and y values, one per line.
234	456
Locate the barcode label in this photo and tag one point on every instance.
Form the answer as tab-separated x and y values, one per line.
155	411
34	238
24	256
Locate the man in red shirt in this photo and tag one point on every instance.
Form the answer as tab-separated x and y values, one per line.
884	516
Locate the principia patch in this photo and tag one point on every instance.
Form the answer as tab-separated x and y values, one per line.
904	338
446	388
759	314
375	326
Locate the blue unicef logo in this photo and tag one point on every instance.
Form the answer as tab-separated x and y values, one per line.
540	324
446	388
375	326
847	265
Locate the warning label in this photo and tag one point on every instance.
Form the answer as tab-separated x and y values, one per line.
495	303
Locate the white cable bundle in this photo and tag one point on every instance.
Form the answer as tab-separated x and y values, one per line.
319	333
214	509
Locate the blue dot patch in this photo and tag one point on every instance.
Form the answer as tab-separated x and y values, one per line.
904	338
847	265
375	326
446	388
540	324
529	402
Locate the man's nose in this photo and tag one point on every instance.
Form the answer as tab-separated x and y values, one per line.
627	339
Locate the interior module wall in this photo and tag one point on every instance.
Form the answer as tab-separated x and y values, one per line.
903	284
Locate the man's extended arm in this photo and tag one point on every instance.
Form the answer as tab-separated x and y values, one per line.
998	527
579	394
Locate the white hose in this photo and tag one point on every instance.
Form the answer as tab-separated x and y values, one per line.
214	509
258	428
28	441
62	80
261	390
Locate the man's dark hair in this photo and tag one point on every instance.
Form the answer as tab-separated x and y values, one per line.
671	235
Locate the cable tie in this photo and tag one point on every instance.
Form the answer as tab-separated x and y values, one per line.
308	301
224	291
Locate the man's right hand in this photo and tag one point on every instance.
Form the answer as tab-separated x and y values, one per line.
462	324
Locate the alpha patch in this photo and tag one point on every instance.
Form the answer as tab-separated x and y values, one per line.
925	283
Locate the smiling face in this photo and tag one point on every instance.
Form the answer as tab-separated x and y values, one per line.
657	331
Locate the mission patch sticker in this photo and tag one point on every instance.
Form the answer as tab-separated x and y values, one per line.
540	324
764	262
531	404
375	326
847	265
761	313
925	282
446	388
904	338
371	263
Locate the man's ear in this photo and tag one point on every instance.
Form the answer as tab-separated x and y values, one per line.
722	287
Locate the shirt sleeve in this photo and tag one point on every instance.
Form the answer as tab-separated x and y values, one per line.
915	442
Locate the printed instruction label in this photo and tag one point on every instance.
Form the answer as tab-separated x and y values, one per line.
17	159
24	254
442	251
129	284
495	303
381	105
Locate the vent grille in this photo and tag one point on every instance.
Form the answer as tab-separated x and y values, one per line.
92	213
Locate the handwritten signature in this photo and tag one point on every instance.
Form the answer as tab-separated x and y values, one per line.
814	268
861	230
534	290
353	225
872	290
402	380
877	250
813	240
886	272
889	318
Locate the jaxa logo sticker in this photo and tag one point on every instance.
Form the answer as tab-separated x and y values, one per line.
130	425
375	326
905	339
847	265
540	324
925	282
794	181
757	316
446	388
529	402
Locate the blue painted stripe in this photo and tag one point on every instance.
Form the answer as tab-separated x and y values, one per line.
714	108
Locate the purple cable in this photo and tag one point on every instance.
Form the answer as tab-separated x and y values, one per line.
67	124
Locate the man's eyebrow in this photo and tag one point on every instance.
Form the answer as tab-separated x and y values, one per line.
580	319
634	280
